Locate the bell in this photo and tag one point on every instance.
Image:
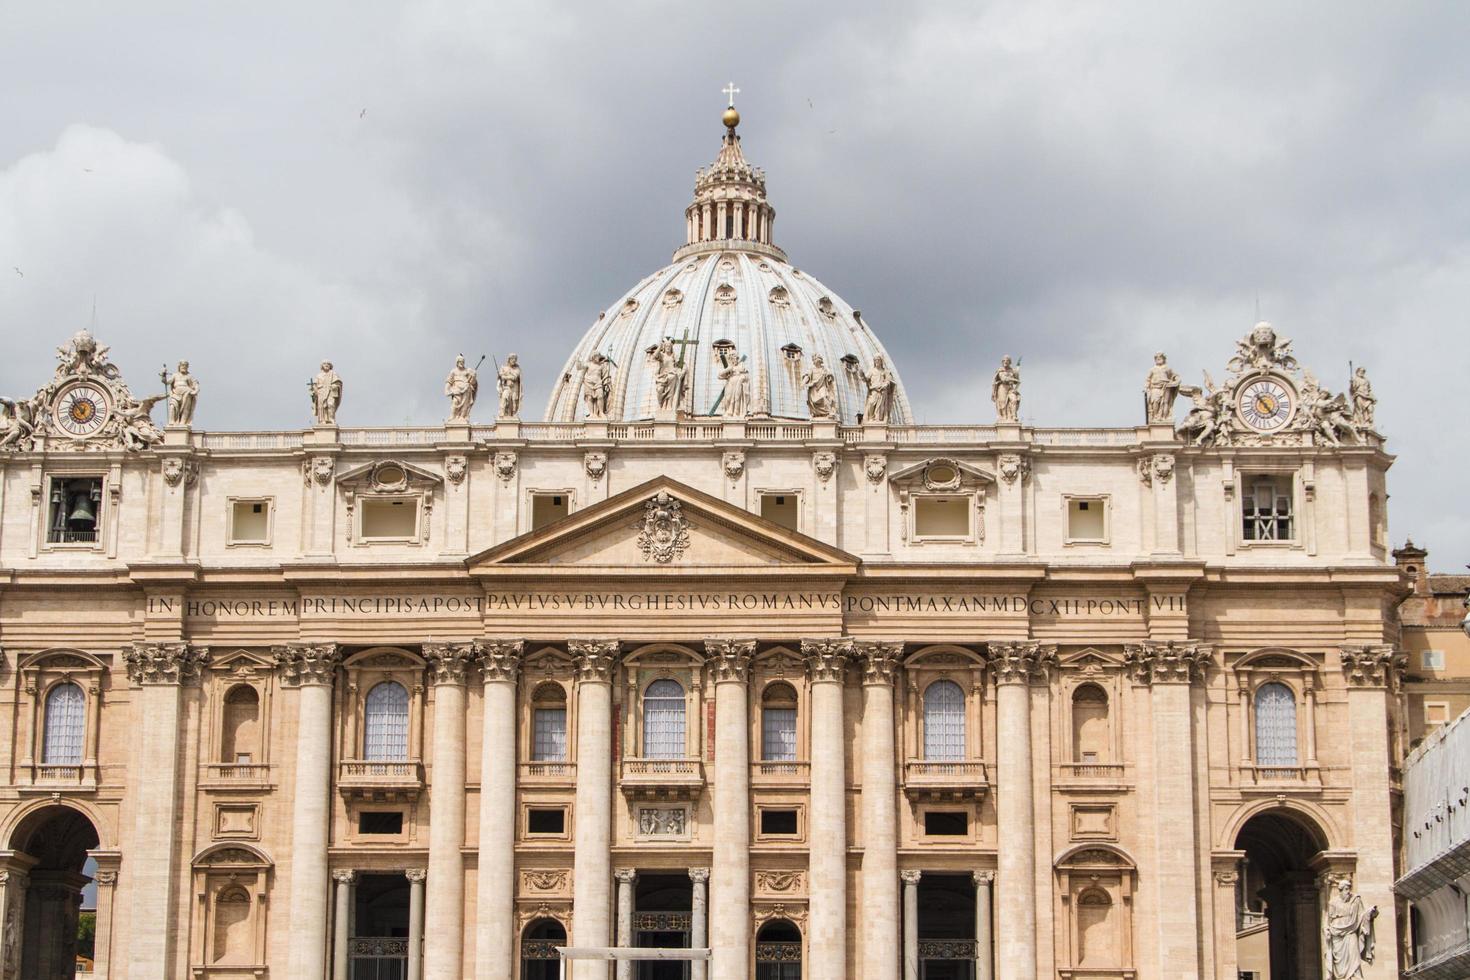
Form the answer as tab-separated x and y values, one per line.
83	511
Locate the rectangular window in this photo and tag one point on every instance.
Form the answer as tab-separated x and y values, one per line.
946	823
942	517
778	734
781	508
1436	712
546	821
250	521
548	508
380	822
549	742
1431	659
1266	508
391	519
75	515
778	823
1087	520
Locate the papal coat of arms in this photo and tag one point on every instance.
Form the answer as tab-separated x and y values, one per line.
663	534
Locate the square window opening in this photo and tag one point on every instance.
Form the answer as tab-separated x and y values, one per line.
1431	659
1087	519
75	515
946	823
778	823
1266	508
390	520
546	821
250	522
380	822
782	509
942	517
548	508
1436	712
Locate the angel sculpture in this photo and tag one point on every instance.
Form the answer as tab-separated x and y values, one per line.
135	424
1326	414
1207	423
19	420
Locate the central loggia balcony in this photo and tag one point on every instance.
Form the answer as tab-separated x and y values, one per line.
548	773
380	780
949	779
780	774
662	779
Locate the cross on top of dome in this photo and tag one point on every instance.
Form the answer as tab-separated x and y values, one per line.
730	209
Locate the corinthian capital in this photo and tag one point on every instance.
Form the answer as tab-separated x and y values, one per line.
1167	662
826	659
449	662
307	663
729	660
500	660
1017	661
1372	666
164	663
594	659
879	660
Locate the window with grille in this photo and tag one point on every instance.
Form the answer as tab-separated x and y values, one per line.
1266	509
1275	725
385	723
663	720
549	741
65	726
944	722
778	734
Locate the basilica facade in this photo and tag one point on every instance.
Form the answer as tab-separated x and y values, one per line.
726	653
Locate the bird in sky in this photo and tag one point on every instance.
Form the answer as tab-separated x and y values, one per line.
87	170
362	113
18	272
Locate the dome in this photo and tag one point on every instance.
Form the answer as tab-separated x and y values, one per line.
728	297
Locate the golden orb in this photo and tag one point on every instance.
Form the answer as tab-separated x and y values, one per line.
731	118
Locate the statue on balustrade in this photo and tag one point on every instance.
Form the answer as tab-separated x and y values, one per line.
881	385
821	390
668	379
1160	389
462	386
597	383
735	399
326	394
508	386
183	394
1364	402
1005	391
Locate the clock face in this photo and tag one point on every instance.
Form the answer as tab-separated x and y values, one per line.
1265	404
81	410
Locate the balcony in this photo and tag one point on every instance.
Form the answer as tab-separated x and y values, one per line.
1279	778
960	779
551	774
662	779
235	775
380	781
783	774
1093	775
53	777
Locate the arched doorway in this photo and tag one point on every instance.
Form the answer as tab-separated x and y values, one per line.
41	929
778	951
1278	918
539	958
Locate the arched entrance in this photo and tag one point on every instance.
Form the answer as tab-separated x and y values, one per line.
539	958
1278	919
41	923
778	951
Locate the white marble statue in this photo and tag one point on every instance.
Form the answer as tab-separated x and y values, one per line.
508	387
1348	933
735	400
881	385
1326	414
597	384
462	385
17	426
821	390
1005	391
1207	423
326	394
1364	402
135	423
183	394
668	379
1160	389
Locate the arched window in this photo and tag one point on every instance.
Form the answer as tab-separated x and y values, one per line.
232	943
240	735
944	722
1097	943
778	723
1090	737
549	723
385	723
539	959
1275	725
65	726
778	951
663	720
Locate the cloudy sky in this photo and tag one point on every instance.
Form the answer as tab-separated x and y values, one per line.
256	187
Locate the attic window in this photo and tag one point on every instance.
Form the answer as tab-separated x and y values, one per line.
1087	520
547	508
942	516
781	508
390	519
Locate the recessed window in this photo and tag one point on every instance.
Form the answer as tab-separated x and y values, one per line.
390	519
1266	508
1087	520
250	521
781	508
778	823
1436	712
546	821
380	822
75	515
1431	659
547	508
946	823
942	517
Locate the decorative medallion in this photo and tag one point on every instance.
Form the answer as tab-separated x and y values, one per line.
505	466
825	464
595	465
874	467
734	464
455	468
663	533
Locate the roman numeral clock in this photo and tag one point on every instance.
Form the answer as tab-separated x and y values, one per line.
1265	402
81	409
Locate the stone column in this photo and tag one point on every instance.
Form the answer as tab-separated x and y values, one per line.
625	878
729	664
415	878
1168	667
158	671
14	881
495	906
1371	673
595	661
911	924
984	966
1014	664
106	879
698	926
826	662
310	668
444	948
343	880
879	661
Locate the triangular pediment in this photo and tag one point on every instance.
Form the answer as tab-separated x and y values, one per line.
663	527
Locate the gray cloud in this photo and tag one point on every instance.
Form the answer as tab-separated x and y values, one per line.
1076	184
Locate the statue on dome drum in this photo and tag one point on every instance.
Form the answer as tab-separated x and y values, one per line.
821	390
1160	389
1348	932
1364	402
668	379
597	383
734	401
881	383
508	387
1005	391
462	385
183	394
326	394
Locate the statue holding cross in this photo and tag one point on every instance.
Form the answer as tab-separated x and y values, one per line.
668	378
